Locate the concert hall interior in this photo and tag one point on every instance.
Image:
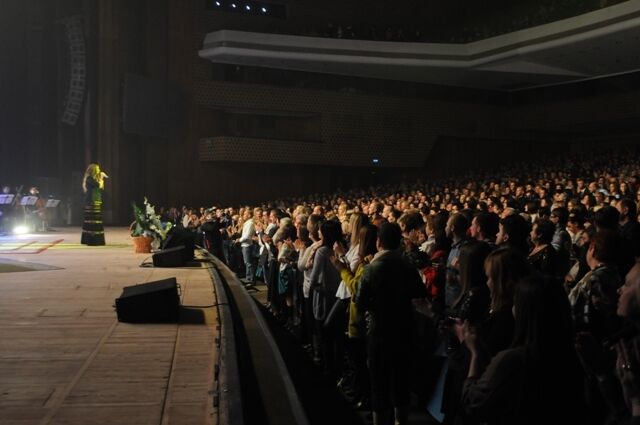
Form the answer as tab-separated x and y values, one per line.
303	212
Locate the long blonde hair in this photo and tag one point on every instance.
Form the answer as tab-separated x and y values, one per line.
93	171
356	221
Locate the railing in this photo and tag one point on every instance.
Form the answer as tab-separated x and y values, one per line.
253	383
227	397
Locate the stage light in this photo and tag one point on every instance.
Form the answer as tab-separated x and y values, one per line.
375	161
233	5
264	10
20	230
218	4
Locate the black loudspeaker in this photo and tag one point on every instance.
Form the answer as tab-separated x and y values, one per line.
77	79
153	302
171	257
181	237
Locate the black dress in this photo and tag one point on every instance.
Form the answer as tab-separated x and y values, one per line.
92	228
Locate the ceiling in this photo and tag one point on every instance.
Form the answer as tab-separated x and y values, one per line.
595	45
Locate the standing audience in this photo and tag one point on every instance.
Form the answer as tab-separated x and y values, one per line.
513	271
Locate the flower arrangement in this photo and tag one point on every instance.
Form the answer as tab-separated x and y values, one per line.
148	223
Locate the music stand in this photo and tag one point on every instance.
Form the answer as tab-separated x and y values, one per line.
28	200
52	203
6	199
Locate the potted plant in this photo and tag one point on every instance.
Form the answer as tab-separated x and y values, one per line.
147	231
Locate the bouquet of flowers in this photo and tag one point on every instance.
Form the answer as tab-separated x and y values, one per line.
148	223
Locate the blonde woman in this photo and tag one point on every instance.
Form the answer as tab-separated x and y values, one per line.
93	186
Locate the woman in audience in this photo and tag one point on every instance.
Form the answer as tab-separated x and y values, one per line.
538	379
343	216
575	227
504	268
473	302
625	191
287	257
580	267
356	330
351	258
472	306
594	298
356	222
615	384
543	257
302	244
435	273
324	281
305	265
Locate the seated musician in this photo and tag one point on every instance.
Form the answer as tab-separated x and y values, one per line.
6	211
37	211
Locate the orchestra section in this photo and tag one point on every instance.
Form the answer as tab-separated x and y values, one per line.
26	210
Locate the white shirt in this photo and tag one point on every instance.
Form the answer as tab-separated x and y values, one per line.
248	231
353	259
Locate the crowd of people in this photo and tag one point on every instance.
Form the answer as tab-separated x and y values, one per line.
520	287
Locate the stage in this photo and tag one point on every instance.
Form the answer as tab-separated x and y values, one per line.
64	357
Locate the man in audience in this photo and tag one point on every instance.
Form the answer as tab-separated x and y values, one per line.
375	217
513	232
581	189
412	226
212	237
561	240
484	228
629	226
387	287
456	230
607	218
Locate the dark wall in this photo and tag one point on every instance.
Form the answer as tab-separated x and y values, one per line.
14	108
131	38
453	156
245	183
30	148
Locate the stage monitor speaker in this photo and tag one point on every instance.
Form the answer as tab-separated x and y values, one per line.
181	237
153	302
171	257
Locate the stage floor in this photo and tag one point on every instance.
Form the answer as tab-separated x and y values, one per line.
64	357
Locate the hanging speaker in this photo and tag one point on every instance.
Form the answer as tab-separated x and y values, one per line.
76	82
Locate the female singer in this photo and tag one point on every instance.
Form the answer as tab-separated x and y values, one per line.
93	185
